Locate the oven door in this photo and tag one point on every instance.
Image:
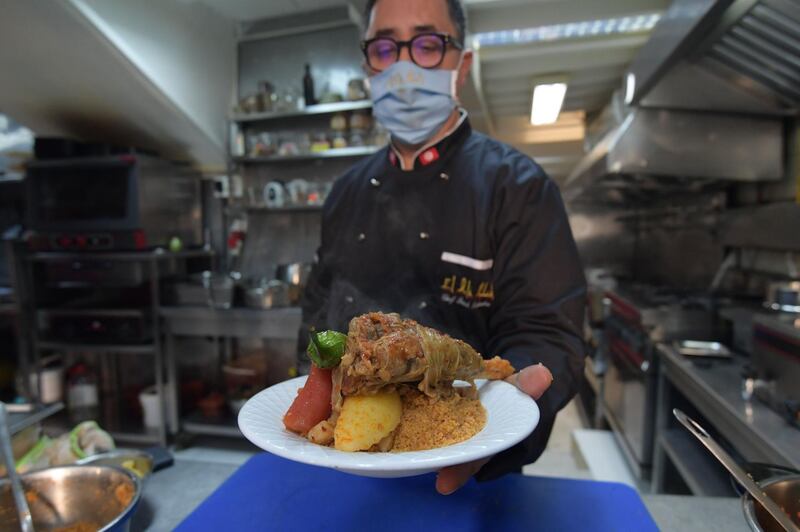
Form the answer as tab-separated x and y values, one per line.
82	195
629	395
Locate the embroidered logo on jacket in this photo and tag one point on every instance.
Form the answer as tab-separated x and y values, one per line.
466	293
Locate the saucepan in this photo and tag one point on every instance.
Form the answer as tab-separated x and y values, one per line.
771	505
785	491
268	294
296	276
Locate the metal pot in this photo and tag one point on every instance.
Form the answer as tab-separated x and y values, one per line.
294	274
273	294
785	491
137	462
783	296
102	496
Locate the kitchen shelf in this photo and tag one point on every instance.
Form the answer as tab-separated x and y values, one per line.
333	153
701	473
319	109
278	210
277	323
158	254
107	312
226	425
125	349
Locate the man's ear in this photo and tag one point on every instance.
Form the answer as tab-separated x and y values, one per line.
466	65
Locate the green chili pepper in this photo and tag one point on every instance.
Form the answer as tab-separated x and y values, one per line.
326	348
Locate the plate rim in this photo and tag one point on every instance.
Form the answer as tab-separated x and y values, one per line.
419	460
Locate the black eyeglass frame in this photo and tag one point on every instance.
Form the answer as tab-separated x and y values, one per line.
447	40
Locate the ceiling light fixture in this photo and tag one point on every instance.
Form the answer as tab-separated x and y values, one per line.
548	98
570	30
630	87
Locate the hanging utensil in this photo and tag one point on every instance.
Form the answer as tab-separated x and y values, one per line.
24	513
733	468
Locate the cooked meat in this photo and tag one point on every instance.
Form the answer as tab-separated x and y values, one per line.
384	349
497	369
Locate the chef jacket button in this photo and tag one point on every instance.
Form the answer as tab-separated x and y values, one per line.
374	182
349	299
423	305
361	237
444	177
424	236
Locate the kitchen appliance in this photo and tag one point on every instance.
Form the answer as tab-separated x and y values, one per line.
776	361
783	297
713	83
128	201
638	318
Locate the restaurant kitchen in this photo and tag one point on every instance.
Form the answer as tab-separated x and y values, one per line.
164	169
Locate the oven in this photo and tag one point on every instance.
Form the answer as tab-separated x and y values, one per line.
630	384
637	320
116	202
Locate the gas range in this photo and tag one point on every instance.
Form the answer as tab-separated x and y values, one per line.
776	363
637	317
664	313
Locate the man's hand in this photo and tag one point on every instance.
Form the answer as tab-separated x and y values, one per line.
534	381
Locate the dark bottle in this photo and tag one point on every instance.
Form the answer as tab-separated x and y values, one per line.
308	86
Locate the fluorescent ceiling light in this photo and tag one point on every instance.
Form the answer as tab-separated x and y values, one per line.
548	98
570	30
630	87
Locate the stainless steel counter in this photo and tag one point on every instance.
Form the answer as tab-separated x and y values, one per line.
756	432
171	495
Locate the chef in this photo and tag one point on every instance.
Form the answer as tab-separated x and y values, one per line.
451	228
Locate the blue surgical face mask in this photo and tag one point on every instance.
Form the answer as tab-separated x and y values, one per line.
412	102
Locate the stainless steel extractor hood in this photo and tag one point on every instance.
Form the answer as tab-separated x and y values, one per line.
705	98
686	144
739	56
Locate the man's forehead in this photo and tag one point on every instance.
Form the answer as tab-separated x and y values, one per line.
409	16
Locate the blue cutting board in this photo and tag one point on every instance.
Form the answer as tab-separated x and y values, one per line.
271	493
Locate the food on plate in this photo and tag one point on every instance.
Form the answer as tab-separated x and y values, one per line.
312	404
366	420
388	386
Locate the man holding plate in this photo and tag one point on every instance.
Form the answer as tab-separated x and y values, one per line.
451	228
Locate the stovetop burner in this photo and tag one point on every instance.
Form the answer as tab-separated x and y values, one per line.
645	296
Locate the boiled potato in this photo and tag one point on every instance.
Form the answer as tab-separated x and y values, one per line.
366	419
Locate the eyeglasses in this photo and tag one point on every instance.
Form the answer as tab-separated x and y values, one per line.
426	50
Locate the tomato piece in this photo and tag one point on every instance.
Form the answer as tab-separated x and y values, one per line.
313	402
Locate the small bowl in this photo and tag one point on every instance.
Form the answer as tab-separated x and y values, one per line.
102	497
137	462
785	491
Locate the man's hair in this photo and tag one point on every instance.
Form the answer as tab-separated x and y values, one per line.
457	14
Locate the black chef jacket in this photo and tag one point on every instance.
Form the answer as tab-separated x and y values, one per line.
474	242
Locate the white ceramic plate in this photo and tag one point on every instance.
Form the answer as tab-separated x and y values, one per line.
511	416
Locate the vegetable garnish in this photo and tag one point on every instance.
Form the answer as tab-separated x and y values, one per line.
326	348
